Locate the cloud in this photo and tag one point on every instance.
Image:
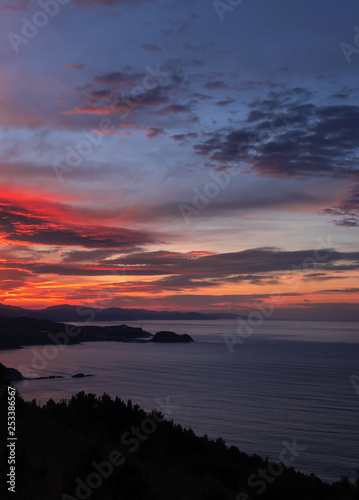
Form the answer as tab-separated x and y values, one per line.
87	255
287	136
252	261
20	225
153	132
173	109
182	137
98	95
347	210
120	79
258	266
180	273
72	270
340	290
121	97
225	102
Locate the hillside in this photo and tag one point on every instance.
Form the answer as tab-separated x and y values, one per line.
22	331
106	449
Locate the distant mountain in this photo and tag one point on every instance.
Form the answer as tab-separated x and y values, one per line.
17	312
68	313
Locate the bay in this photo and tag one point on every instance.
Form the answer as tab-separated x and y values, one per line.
286	386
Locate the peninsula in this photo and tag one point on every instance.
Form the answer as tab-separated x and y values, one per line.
23	331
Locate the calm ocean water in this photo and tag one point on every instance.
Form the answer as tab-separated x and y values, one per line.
287	381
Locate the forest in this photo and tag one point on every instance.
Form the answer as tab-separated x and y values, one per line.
101	448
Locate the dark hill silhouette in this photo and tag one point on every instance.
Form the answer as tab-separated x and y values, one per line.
8	375
21	331
171	337
125	453
68	313
18	332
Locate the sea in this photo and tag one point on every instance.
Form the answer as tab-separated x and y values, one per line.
284	388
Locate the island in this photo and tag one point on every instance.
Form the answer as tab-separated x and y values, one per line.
10	375
171	337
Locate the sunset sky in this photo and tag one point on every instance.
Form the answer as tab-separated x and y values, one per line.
180	155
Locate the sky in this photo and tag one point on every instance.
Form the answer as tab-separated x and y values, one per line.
180	155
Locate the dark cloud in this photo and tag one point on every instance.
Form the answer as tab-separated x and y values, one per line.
100	94
179	137
348	222
122	98
347	210
225	102
253	261
202	97
173	109
87	255
254	279
286	136
261	266
20	225
345	93
169	283
121	79
323	276
182	137
68	270
13	274
340	290
153	132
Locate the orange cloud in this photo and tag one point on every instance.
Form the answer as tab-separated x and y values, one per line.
89	110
